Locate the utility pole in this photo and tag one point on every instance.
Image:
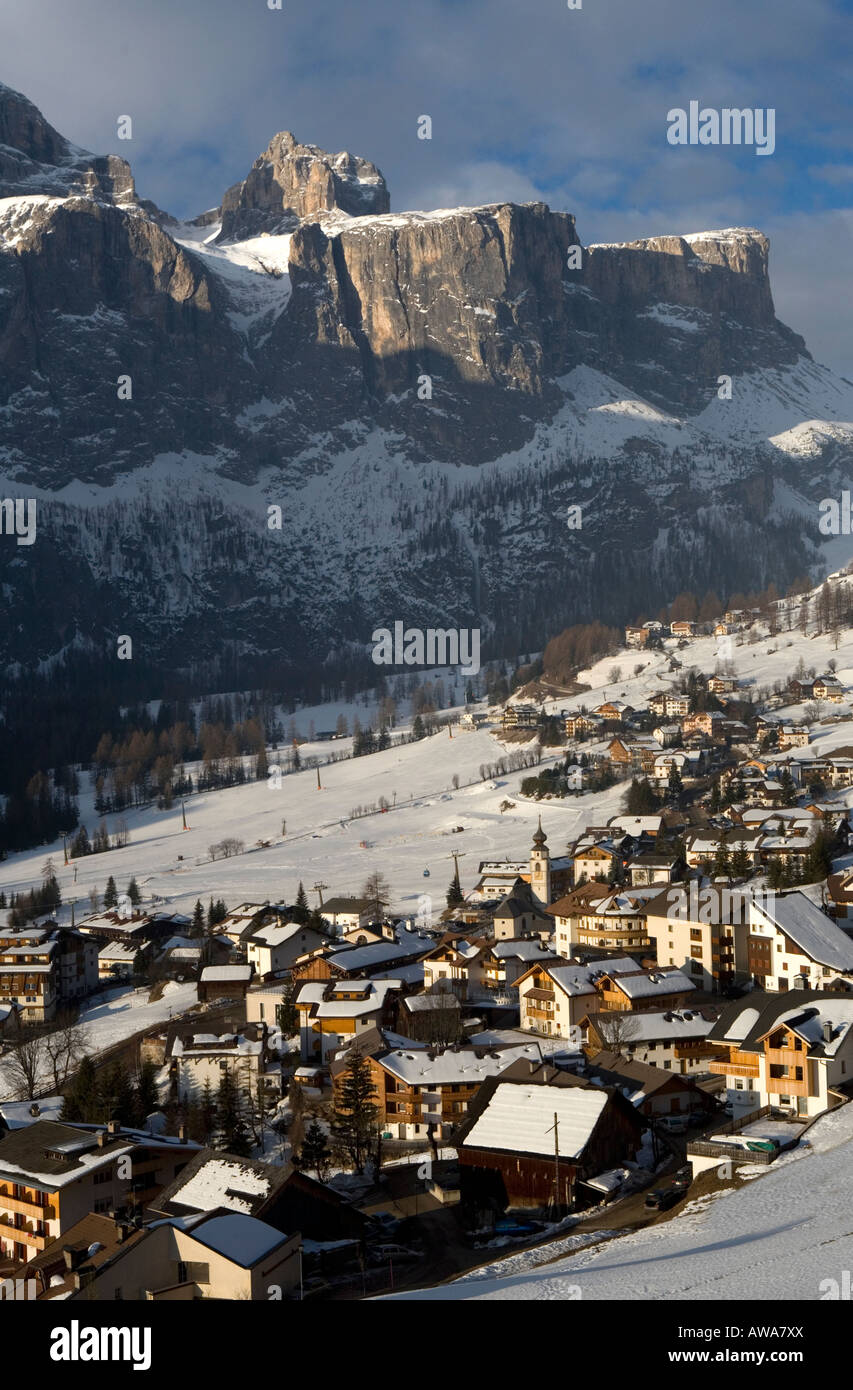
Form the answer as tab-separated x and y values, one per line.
556	1129
318	888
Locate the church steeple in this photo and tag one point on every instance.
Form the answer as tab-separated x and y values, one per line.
540	866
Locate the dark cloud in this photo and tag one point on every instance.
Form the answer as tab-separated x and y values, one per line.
528	99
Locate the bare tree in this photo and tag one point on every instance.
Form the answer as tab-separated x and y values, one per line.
616	1030
64	1048
377	892
25	1064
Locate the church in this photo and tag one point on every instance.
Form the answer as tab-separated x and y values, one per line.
547	878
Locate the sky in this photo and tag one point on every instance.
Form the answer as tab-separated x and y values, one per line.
529	99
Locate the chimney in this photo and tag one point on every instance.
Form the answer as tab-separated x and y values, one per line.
182	1132
827	1031
113	1127
102	1138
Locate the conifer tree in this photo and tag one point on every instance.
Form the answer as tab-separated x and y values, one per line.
355	1114
315	1153
111	893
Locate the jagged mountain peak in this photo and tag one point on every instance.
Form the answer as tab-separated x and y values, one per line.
36	160
291	181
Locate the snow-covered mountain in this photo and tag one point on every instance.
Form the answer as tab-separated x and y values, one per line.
423	395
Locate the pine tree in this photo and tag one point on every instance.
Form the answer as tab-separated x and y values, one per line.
454	892
147	1094
81	1097
133	892
232	1133
116	1095
207	1113
111	893
287	1015
355	1114
789	790
315	1153
418	727
198	919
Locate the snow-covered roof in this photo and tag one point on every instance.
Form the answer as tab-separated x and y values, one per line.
417	1068
223	1182
214	973
818	937
242	1239
520	1119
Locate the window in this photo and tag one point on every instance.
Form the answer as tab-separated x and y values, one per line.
103	1204
695	933
103	1176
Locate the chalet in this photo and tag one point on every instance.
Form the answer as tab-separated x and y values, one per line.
722	685
520	717
636	636
792	736
801	690
828	688
278	1194
29	973
497	968
348	912
225	1255
447	965
596	861
614	710
200	1060
575	724
793	1051
534	1135
427	1019
332	1013
674	1040
245	920
427	1091
116	960
644	869
709	722
224	982
724	629
553	998
636	753
274	947
683	627
667	734
651	1090
52	1174
596	915
792	944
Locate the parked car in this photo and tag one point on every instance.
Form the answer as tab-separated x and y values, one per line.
673	1124
662	1198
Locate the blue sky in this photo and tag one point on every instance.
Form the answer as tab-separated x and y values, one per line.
528	100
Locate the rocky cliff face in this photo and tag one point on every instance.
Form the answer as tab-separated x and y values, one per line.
422	393
36	159
290	181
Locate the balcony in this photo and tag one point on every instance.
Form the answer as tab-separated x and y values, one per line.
34	1210
22	1234
725	1068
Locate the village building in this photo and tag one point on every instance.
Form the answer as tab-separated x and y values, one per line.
29	973
53	1174
225	1255
332	1013
673	1039
828	688
794	1052
116	960
544	875
554	998
427	1091
702	929
224	982
199	1060
793	944
534	1137
599	916
344	913
653	1091
273	948
279	1194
